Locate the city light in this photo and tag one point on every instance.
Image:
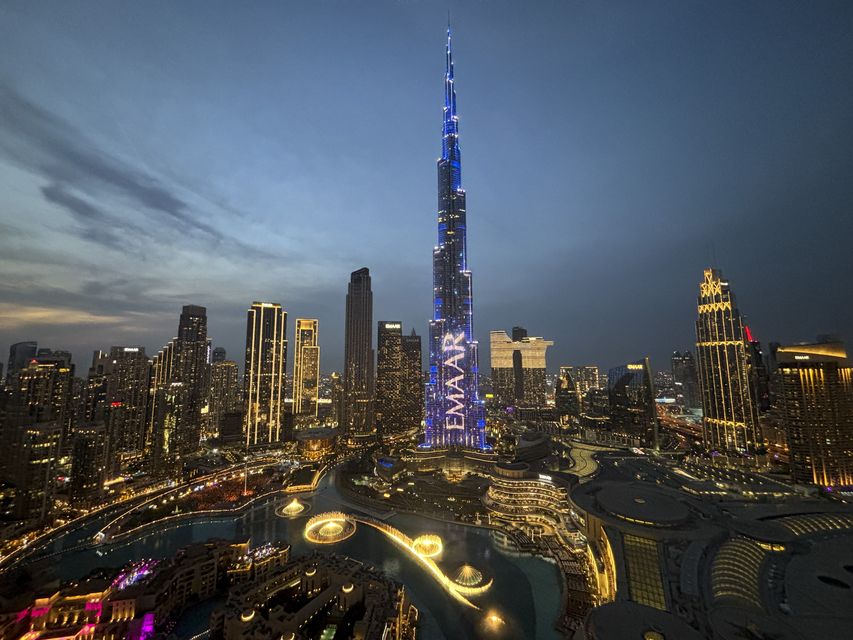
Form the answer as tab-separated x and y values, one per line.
709	494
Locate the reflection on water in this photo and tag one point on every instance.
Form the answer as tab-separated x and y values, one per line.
516	577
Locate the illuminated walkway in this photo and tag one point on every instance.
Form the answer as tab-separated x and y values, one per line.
332	527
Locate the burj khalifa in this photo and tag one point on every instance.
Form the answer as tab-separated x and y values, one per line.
455	416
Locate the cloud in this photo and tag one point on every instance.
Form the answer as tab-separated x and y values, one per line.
95	225
48	145
41	142
16	316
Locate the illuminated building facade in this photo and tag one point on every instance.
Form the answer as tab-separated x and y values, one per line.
88	464
180	378
586	378
399	380
454	414
161	375
518	368
566	397
190	368
685	379
535	503
730	420
171	404
336	389
141	600
225	394
20	355
306	369
127	393
42	390
358	355
324	592
759	379
266	353
814	393
631	399
36	455
689	550
389	356
411	381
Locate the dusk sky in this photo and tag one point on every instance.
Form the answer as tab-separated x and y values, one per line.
155	154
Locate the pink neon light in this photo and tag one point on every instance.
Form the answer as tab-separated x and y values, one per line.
97	606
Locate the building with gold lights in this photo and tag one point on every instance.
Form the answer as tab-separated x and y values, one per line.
518	368
134	602
691	550
730	418
814	395
310	596
306	370
266	355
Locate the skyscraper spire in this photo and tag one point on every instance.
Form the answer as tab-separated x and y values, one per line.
454	416
451	121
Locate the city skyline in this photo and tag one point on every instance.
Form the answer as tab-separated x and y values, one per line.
682	477
77	172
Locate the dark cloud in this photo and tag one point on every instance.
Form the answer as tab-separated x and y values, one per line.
44	143
95	225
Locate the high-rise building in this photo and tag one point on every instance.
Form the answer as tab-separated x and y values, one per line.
42	390
358	355
399	381
266	356
95	392
759	378
631	399
219	355
412	382
178	391
306	369
389	371
518	368
336	386
190	368
161	375
20	355
685	379
814	393
730	420
36	457
127	393
567	401
225	395
455	415
585	377
36	418
171	402
88	464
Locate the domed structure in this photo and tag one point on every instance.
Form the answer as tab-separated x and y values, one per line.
428	545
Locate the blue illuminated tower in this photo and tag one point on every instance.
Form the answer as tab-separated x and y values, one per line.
454	413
